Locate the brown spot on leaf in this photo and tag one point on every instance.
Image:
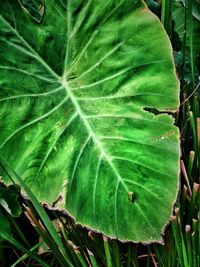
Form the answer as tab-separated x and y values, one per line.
131	196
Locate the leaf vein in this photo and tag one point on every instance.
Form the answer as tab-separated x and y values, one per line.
33	122
54	143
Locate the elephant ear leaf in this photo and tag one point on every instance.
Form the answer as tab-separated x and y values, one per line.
85	97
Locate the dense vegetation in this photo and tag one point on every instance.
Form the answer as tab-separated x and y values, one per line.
27	235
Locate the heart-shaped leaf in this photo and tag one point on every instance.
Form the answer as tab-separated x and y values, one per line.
78	93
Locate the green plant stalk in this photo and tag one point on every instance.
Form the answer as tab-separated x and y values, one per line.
163	11
65	237
78	255
170	10
93	261
84	252
178	242
83	255
185	257
97	246
190	164
193	203
196	116
166	251
78	259
189	244
149	256
183	51
107	252
185	123
198	131
198	234
190	30
195	225
194	131
128	260
198	138
184	251
194	252
81	260
132	255
183	198
166	15
196	240
116	253
196	106
171	252
158	256
186	177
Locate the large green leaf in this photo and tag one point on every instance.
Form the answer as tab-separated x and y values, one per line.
78	92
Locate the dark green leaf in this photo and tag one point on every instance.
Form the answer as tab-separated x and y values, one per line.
9	199
77	94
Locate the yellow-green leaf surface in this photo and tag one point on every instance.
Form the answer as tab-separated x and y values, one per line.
76	94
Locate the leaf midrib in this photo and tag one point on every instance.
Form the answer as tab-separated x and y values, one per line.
91	132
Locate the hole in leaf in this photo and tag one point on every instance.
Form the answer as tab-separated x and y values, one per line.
131	196
158	112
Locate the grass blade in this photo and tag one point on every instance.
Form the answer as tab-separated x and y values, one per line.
107	252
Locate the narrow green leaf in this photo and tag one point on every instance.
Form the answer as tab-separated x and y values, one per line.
107	252
189	245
